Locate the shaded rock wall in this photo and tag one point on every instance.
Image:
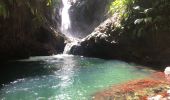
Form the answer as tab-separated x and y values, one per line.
104	42
26	31
146	42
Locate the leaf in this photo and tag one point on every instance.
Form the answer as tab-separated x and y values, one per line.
138	21
146	11
136	8
49	2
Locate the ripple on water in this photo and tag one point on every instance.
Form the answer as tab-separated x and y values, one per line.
76	78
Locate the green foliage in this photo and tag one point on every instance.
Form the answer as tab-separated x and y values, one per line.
49	2
151	18
142	18
121	7
3	10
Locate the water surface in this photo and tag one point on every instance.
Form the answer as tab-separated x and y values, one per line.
65	77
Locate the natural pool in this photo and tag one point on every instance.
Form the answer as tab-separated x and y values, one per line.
65	77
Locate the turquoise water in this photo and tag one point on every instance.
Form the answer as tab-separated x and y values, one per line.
67	77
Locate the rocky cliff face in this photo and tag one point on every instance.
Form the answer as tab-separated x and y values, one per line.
87	14
104	42
26	30
25	27
141	37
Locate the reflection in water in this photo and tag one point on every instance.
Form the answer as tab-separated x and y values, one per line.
65	77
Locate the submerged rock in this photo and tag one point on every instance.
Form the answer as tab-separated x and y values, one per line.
144	89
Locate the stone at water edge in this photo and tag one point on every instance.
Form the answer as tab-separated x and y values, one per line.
157	97
167	70
167	73
168	92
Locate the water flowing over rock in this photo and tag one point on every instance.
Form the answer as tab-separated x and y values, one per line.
65	18
145	42
70	45
80	17
66	25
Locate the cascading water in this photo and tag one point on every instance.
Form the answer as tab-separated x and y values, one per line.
65	18
68	46
66	25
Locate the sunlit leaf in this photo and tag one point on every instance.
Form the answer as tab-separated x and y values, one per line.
136	8
138	21
148	10
49	2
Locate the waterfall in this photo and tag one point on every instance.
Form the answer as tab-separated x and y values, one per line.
65	18
68	46
66	25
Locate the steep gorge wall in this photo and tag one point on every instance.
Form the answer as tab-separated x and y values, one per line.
25	29
86	15
138	33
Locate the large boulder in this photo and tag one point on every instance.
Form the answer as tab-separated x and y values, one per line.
103	42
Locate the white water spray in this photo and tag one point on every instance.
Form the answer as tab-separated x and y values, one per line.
66	24
68	46
65	18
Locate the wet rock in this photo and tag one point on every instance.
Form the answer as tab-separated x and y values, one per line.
134	90
103	42
109	42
